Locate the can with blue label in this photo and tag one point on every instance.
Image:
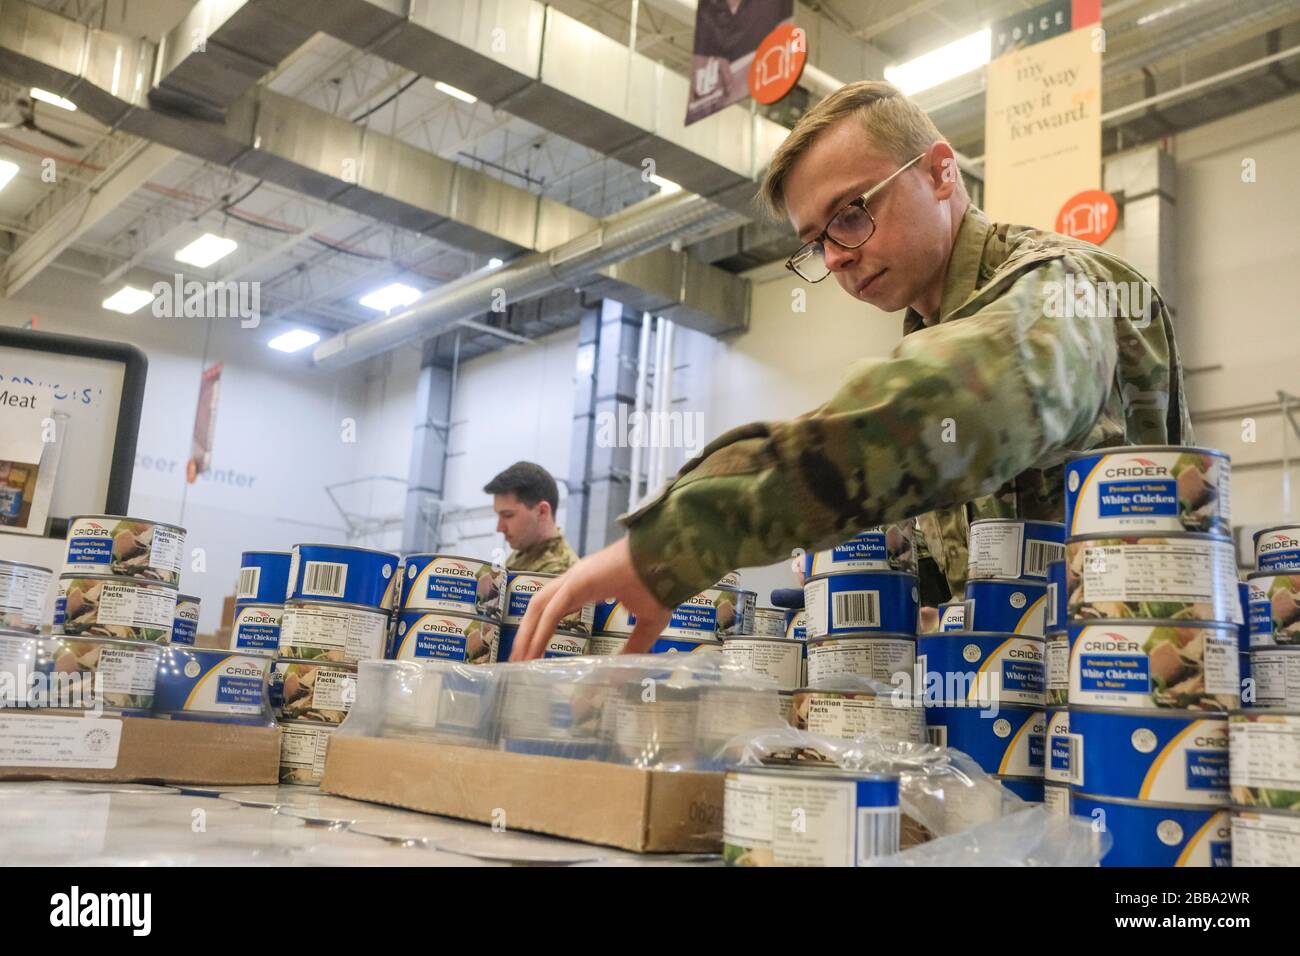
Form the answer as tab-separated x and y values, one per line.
861	601
1010	548
1005	740
449	582
1276	671
1186	577
878	656
796	624
133	609
1056	594
344	575
1278	548
1157	834
969	667
1058	764
125	547
185	625
884	548
1265	838
256	628
849	817
1143	664
1029	789
1164	756
952	616
1009	607
520	586
193	680
1274	608
713	614
1265	747
312	630
1056	666
422	635
1152	489
263	577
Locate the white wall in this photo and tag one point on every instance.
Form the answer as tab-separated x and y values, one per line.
279	437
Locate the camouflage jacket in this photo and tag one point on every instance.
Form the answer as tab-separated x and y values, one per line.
1034	356
552	556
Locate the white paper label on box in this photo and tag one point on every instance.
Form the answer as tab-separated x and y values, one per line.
89	743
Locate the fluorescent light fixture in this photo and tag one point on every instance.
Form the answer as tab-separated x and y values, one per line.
45	96
665	185
8	171
452	91
128	299
205	250
295	340
944	64
390	297
494	262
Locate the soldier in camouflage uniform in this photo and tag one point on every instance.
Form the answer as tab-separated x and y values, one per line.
1017	351
525	497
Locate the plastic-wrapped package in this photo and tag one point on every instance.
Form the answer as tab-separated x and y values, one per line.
1031	836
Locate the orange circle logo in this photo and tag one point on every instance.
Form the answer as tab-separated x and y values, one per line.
1090	215
778	63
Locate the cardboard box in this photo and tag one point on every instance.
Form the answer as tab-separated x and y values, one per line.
605	803
66	745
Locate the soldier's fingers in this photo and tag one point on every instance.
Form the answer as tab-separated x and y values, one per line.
528	625
548	619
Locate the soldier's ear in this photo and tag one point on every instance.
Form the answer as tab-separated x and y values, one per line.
941	162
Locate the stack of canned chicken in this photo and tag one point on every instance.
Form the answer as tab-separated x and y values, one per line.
700	623
449	608
984	683
337	604
1153	627
1264	744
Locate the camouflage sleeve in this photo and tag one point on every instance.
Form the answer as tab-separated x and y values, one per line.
960	408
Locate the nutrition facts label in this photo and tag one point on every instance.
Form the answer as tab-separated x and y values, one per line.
658	726
13	589
1057	662
304	749
995	550
1265	839
132	605
878	659
1222	668
1265	752
1198	572
780	661
848	717
334	690
1277	677
127	672
359	634
166	547
747	812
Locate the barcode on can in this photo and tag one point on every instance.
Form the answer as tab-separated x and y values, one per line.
877	832
324	579
938	736
248	581
856	609
1039	554
1074	747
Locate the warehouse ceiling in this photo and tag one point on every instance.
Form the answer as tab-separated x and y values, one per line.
315	259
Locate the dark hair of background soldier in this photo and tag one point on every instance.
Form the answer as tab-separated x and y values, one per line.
528	482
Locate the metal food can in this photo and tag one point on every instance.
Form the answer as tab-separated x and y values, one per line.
263	577
731	712
18	662
965	667
1010	742
303	748
1277	549
796	624
110	545
1164	756
334	632
341	574
1276	671
1009	548
659	732
713	614
1189	577
1056	798
878	656
1029	789
256	628
423	635
776	657
1059	764
541	705
1056	594
1158	834
861	601
769	622
849	818
132	609
1148	489
315	691
1008	607
185	625
449	582
193	680
882	548
84	673
1265	838
952	616
1143	664
1274	608
853	713
519	590
1056	665
1265	769
23	589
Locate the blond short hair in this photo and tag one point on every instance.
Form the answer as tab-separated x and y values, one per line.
892	121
